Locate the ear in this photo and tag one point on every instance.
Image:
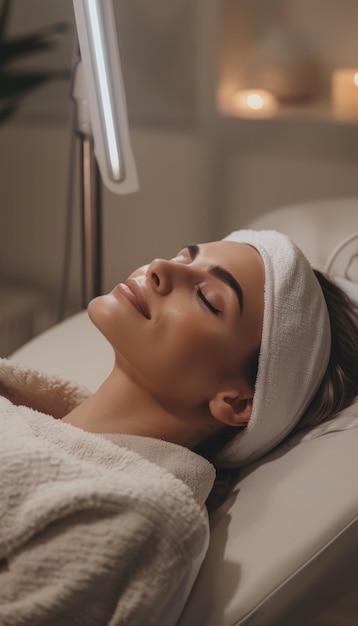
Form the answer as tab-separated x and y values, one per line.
232	405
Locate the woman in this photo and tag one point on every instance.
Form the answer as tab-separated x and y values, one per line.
223	350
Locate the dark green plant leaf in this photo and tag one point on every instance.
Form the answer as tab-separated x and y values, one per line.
30	44
17	84
4	16
11	50
7	111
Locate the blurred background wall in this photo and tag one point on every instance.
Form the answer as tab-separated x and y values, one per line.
201	173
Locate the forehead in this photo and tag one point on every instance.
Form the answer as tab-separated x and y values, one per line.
234	256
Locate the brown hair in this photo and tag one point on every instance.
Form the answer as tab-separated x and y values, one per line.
336	391
340	382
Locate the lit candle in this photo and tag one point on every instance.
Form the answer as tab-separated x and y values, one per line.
345	92
254	103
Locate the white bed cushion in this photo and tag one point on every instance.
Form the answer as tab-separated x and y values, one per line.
285	545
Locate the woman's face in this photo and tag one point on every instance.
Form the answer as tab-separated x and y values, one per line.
182	327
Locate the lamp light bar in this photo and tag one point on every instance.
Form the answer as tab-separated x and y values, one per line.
98	42
106	98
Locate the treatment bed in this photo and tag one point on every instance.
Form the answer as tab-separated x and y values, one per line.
284	547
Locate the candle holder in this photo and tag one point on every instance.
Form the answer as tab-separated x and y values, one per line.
344	89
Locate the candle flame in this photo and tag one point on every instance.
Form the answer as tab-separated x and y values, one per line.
255	101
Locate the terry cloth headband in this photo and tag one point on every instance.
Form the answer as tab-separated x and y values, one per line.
295	347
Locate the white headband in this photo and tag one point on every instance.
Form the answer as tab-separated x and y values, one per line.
295	347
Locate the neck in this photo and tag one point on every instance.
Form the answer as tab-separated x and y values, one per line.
122	406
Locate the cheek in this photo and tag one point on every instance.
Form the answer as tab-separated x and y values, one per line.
193	344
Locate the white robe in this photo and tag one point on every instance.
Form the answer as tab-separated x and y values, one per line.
94	529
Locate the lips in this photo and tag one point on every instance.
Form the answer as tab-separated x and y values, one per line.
133	292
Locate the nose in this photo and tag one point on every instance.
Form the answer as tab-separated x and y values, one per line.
163	275
159	275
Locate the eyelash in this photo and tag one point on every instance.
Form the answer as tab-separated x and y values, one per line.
193	249
207	303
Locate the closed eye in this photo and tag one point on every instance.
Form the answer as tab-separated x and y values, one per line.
207	303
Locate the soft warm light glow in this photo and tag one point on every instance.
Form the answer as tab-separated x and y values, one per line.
102	74
345	92
254	103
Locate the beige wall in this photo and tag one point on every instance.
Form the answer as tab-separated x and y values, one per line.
257	183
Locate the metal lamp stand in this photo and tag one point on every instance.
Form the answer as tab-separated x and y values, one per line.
91	194
91	221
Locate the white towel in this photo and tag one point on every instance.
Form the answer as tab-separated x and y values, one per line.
295	347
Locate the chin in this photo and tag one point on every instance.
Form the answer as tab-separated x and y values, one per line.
98	310
92	307
111	318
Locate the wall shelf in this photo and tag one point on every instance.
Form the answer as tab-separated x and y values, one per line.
318	111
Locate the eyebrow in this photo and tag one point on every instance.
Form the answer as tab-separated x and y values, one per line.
222	274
